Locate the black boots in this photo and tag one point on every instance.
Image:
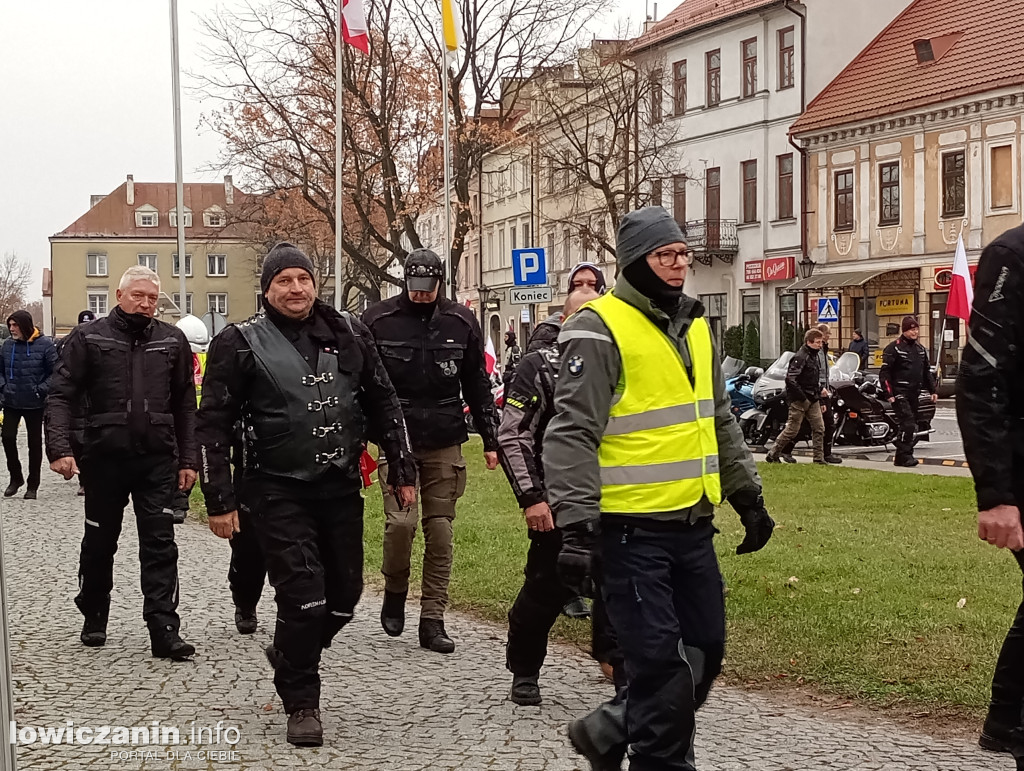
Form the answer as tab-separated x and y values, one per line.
434	637
94	630
13	487
305	728
245	620
392	613
30	495
996	736
525	690
584	745
166	644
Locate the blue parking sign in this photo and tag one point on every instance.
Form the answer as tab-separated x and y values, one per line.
828	310
529	267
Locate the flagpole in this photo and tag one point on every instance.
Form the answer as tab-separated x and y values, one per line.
179	184
339	137
448	275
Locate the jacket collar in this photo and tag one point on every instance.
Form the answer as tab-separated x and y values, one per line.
689	307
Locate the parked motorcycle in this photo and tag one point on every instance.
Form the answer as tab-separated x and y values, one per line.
741	390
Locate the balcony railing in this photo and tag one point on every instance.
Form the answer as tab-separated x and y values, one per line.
712	238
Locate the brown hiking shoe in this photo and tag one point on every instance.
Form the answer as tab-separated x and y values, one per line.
305	728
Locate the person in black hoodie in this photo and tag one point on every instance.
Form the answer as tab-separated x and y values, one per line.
133	373
29	359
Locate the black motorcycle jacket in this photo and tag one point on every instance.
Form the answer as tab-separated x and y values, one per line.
529	405
132	387
435	358
905	369
303	412
803	376
990	386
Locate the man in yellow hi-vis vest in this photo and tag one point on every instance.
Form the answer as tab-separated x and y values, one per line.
641	448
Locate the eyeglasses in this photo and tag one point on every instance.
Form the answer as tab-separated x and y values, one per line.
667	258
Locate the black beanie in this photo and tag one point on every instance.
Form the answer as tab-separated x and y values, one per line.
24	321
86	316
281	257
909	322
642	231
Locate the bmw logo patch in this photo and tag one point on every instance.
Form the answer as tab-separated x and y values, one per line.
575	366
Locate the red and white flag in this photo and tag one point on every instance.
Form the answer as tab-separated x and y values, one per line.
353	25
961	292
490	357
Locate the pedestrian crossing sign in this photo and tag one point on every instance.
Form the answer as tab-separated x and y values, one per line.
828	310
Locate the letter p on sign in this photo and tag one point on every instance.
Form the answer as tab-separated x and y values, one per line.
529	267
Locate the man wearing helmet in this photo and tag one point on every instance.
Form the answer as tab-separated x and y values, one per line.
433	351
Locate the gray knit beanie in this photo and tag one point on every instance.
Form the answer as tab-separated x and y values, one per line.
644	230
281	257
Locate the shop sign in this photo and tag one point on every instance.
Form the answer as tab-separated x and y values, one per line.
779	269
753	271
944	277
896	304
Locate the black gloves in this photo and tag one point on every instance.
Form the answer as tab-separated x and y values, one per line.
579	541
759	526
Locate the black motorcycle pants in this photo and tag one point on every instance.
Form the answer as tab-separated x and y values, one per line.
247	570
313	548
905	408
664	597
150	481
9	433
1008	682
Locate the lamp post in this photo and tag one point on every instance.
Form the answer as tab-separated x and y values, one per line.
485	294
805	269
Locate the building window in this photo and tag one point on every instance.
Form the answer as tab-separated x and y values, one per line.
748	48
549	177
490	251
679	198
176	297
715	312
844	200
751	310
954	184
785	193
512	237
217	303
714	77
657	97
787	59
149	260
750	191
501	248
1001	173
175	268
566	248
214	219
216	265
656	194
98	303
889	193
174	219
526	235
147	219
96	265
679	87
549	241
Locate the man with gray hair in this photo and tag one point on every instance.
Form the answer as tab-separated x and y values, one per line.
133	373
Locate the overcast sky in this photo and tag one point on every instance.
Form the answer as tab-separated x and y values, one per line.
85	99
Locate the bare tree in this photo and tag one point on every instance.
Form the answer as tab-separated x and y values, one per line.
15	275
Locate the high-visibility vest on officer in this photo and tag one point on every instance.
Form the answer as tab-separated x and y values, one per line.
641	448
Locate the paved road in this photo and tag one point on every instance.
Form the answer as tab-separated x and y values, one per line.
388	704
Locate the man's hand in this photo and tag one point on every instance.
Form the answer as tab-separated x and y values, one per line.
824	393
225	525
186	479
578	543
66	467
759	526
935	398
406	496
1001	527
892	400
492	460
538	517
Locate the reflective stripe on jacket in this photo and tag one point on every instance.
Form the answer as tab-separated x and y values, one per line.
659	451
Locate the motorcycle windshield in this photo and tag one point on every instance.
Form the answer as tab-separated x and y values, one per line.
845	368
773	381
731	367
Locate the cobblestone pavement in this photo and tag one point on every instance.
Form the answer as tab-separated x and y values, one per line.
387	703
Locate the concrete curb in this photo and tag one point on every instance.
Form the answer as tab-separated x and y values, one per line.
947	462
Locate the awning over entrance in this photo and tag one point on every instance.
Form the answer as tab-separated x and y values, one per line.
835	280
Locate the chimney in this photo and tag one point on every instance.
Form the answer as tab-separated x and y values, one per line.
229	189
131	190
95	199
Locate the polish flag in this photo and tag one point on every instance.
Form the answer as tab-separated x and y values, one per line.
353	25
490	357
367	465
961	293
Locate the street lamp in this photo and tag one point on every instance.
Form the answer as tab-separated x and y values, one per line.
485	295
805	267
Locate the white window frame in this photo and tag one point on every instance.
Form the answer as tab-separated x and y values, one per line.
147	217
991	145
943	152
99	296
188	301
213	302
173	217
149	260
898	160
214	219
101	264
222	260
188	265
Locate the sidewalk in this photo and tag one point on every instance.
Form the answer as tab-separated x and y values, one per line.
387	704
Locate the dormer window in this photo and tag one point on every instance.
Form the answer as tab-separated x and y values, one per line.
932	49
147	217
214	217
174	218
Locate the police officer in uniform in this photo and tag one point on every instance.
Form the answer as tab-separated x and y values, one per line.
641	448
904	374
309	389
989	403
433	351
133	375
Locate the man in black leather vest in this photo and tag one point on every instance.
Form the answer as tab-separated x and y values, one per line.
309	388
131	377
433	351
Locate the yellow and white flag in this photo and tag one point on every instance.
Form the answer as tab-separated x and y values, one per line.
452	24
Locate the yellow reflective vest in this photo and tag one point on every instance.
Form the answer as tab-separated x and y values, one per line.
659	451
198	369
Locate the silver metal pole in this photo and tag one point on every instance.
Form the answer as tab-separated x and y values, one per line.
448	274
179	185
339	137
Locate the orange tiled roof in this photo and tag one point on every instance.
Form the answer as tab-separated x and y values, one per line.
886	77
691	14
114	217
